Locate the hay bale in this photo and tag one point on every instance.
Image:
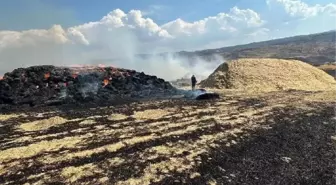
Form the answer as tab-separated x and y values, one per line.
268	75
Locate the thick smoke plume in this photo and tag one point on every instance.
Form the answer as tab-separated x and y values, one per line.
169	66
118	38
117	48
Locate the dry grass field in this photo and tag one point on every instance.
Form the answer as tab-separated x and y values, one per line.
266	138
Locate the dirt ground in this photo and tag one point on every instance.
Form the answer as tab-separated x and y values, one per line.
271	138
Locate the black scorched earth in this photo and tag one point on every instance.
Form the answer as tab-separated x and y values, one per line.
238	138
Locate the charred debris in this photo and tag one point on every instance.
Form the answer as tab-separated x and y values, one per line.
51	85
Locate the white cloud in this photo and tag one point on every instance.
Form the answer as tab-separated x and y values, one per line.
219	24
297	17
298	8
13	39
122	35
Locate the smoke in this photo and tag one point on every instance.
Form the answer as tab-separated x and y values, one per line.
89	84
118	48
89	88
169	67
191	94
116	40
63	93
172	68
121	47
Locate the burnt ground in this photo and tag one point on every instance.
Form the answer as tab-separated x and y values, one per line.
272	138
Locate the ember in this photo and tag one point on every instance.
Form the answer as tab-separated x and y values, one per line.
46	76
106	81
75	75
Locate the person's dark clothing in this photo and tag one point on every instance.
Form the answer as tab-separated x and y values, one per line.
193	82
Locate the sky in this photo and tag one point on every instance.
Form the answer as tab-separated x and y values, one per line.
64	32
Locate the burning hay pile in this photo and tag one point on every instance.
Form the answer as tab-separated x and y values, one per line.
269	75
57	85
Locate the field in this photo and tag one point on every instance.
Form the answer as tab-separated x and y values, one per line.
271	138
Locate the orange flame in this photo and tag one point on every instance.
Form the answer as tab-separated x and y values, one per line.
47	75
75	75
106	82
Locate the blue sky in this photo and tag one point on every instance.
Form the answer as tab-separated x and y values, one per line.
27	14
64	32
81	11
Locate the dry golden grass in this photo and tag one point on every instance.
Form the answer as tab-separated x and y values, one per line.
150	114
269	75
212	182
151	172
155	149
5	117
2	169
116	161
103	180
43	179
87	122
322	96
21	139
119	145
117	117
111	148
43	124
73	174
37	148
155	171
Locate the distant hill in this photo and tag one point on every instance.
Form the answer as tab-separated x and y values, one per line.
316	49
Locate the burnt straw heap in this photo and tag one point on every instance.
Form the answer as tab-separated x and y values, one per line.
49	85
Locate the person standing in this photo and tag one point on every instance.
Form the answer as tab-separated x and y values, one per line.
193	82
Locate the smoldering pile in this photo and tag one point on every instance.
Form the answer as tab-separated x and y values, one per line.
48	85
200	94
